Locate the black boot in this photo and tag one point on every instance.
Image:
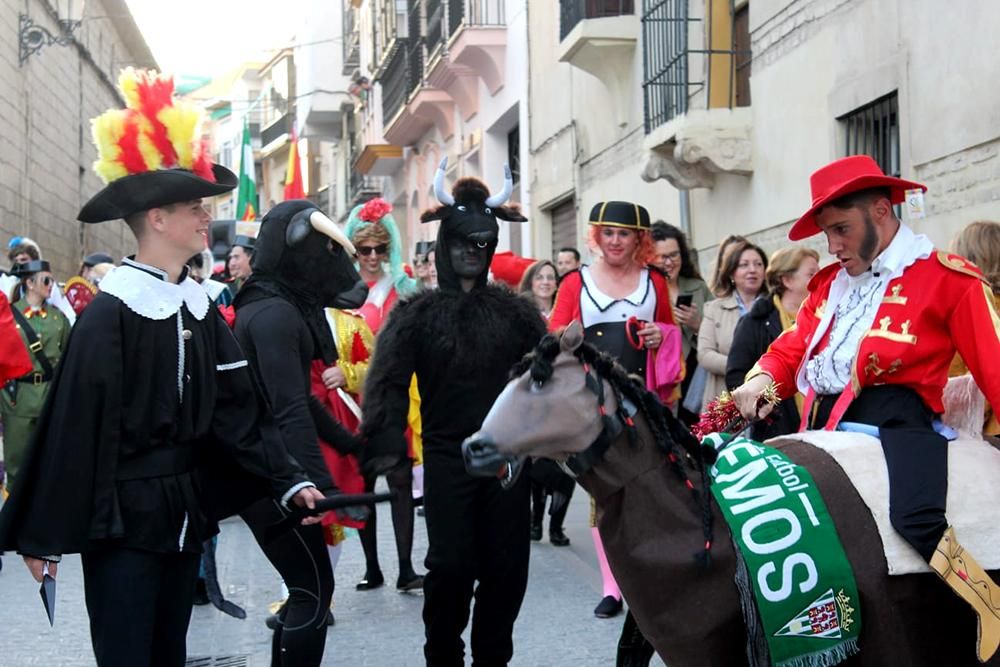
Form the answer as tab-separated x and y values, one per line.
558	514
634	650
537	510
557	537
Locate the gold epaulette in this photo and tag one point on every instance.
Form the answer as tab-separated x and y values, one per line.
960	264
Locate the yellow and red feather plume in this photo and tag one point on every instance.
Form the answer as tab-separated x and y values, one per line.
154	131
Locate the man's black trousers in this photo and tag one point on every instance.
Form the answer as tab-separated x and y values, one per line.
139	603
477	532
915	455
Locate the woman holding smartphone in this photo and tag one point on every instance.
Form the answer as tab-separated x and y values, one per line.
688	293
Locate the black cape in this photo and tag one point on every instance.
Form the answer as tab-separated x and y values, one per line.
124	457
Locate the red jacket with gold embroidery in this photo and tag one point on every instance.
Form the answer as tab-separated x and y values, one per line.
937	306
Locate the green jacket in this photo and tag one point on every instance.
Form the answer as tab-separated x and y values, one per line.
20	414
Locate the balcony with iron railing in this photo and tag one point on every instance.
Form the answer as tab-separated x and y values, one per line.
474	49
696	91
571	12
600	38
436	36
399	77
362	187
274	132
352	40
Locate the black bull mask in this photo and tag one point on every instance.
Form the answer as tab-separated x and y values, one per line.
306	251
468	217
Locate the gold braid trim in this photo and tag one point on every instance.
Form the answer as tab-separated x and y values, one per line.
348	325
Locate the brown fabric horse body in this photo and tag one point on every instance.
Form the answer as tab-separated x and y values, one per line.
652	528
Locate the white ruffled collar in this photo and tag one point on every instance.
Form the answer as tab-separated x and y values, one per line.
147	292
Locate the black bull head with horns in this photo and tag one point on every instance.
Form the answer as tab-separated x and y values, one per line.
469	212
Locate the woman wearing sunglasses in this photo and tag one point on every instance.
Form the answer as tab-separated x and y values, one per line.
376	240
44	331
375	236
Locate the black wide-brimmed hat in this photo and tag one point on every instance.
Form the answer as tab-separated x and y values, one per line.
620	214
30	268
245	241
152	189
152	152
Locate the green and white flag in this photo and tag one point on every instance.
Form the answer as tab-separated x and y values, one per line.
246	199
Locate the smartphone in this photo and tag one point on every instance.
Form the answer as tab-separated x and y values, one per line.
685	299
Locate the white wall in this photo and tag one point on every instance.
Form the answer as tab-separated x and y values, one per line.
576	144
819	59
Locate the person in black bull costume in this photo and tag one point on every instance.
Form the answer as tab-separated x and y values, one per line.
152	394
461	341
300	259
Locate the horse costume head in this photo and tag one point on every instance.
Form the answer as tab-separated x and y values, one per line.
469	231
566	395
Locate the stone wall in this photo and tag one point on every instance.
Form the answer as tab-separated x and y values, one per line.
45	110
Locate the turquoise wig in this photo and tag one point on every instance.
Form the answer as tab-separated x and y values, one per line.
378	211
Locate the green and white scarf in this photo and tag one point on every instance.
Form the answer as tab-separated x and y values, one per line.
801	579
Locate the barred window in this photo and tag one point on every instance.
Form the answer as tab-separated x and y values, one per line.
874	130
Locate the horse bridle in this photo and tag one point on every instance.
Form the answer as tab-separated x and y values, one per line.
613	425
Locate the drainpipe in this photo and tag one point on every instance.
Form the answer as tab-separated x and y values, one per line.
685	212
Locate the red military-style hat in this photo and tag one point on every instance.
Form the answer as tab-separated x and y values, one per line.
842	177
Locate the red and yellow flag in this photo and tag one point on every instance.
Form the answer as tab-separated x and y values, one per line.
293	177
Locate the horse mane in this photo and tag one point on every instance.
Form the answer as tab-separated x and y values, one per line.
667	430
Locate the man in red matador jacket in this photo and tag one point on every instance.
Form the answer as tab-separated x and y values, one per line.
871	348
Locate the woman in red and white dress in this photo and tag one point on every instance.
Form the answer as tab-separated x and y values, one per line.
624	306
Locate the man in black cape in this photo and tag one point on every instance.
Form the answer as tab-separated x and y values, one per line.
461	341
153	393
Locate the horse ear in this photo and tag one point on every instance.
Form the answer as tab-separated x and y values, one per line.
298	228
572	337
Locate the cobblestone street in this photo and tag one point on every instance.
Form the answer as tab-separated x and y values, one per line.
379	628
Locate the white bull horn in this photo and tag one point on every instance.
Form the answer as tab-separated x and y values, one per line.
508	187
328	227
439	191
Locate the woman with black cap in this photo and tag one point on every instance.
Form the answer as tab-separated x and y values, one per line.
44	330
625	310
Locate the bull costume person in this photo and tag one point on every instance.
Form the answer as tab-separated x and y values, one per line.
460	340
871	350
302	262
152	387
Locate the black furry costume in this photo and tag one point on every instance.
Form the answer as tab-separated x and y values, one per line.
461	345
281	326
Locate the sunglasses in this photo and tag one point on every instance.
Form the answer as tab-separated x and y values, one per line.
379	249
